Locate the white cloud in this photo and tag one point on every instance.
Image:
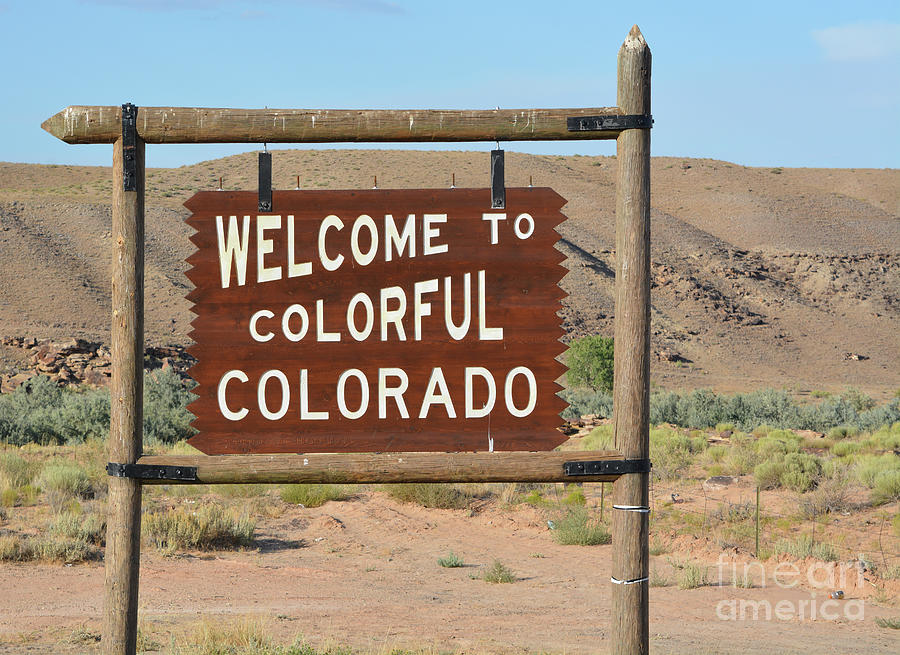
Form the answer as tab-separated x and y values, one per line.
859	41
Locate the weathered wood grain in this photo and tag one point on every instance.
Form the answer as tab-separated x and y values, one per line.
359	468
102	124
123	532
631	395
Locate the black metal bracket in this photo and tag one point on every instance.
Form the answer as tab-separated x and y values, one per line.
265	181
607	467
498	181
152	472
129	147
597	123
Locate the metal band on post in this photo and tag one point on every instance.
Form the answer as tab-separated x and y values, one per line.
608	467
129	147
152	472
597	123
628	582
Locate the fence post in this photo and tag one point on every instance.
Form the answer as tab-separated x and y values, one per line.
757	521
123	531
631	395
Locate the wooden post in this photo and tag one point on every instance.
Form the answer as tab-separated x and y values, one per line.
123	531
756	552
631	394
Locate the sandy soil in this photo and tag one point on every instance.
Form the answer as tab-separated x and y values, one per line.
363	572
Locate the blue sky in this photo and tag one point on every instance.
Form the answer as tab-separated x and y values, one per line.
764	83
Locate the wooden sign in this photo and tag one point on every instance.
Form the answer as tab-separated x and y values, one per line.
381	320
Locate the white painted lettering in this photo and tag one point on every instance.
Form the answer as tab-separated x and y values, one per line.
233	249
399	240
420	307
262	338
223	406
364	394
328	263
384	391
437	383
532	392
485	333
484	374
285	394
429	232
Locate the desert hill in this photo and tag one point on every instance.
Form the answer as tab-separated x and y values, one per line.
761	276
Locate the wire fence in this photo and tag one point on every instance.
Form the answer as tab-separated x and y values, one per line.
733	524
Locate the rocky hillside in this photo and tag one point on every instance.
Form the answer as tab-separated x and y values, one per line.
761	276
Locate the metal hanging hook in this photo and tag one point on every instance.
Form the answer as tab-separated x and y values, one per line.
498	182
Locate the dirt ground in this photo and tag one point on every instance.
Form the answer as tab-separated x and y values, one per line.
363	573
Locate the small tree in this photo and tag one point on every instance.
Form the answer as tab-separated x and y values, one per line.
590	361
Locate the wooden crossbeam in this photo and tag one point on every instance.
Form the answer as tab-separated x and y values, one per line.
103	124
385	467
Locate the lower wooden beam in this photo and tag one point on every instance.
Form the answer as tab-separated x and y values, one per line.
385	467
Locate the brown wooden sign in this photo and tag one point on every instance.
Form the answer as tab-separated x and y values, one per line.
381	320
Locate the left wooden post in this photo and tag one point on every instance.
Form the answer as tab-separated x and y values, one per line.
123	531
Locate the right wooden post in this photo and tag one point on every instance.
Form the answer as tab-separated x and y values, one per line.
631	394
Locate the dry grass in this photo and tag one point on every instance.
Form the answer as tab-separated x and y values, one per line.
312	495
436	496
209	527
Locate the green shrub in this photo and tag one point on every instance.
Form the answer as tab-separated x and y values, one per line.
740	460
768	474
38	411
499	573
438	496
868	468
590	362
671	452
845	448
776	443
312	495
15	471
600	438
800	471
583	402
803	546
66	479
888	622
166	397
89	528
210	527
658	579
692	576
451	561
575	497
842	432
536	499
576	527
887	487
48	548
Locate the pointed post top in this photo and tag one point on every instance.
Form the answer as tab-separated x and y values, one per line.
634	40
633	95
